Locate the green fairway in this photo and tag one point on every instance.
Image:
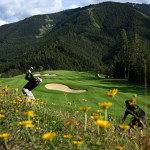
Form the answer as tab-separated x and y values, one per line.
96	90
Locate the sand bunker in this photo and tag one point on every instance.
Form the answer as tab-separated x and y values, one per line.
61	87
47	75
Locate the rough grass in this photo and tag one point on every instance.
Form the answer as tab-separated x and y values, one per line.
54	112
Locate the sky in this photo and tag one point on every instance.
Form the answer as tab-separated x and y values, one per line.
15	10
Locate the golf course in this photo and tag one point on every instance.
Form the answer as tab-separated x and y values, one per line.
65	105
96	89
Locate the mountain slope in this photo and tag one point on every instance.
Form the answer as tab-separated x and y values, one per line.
79	39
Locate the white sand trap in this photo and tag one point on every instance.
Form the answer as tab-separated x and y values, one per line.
47	75
61	87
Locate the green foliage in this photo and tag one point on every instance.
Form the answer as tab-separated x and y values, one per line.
83	39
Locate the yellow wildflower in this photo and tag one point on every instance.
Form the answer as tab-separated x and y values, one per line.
84	100
53	104
112	92
105	104
119	148
38	128
4	135
100	111
77	143
67	136
76	112
16	89
35	104
29	101
29	125
49	135
124	127
69	103
84	108
133	137
28	113
2	116
97	117
24	122
102	123
44	103
53	122
65	94
81	138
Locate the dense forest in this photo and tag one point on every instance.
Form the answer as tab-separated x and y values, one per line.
107	38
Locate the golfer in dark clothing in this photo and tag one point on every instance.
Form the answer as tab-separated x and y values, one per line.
30	85
138	114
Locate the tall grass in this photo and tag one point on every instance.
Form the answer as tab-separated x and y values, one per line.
40	126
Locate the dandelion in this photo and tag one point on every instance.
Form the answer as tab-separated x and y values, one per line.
64	94
119	148
2	116
77	143
67	136
85	109
76	112
49	135
44	103
35	104
102	123
69	103
84	100
29	125
53	104
133	137
105	104
28	113
38	128
81	138
22	123
53	122
4	135
16	89
112	92
100	111
29	101
97	117
124	127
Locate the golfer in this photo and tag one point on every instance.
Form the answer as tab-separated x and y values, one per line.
138	114
32	83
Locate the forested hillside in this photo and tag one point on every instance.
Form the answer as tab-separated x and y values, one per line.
110	38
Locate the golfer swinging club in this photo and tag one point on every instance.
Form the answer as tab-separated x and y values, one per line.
32	83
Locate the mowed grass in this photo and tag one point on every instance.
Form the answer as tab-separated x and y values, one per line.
96	91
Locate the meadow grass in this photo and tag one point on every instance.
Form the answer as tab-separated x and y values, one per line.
64	121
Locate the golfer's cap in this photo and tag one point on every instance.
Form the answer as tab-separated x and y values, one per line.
40	79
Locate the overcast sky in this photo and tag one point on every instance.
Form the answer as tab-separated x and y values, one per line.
15	10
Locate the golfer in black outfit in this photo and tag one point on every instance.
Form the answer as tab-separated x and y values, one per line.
138	114
30	85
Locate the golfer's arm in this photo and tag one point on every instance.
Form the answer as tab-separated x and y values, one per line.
27	76
32	77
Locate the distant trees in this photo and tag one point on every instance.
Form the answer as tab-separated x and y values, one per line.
132	61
